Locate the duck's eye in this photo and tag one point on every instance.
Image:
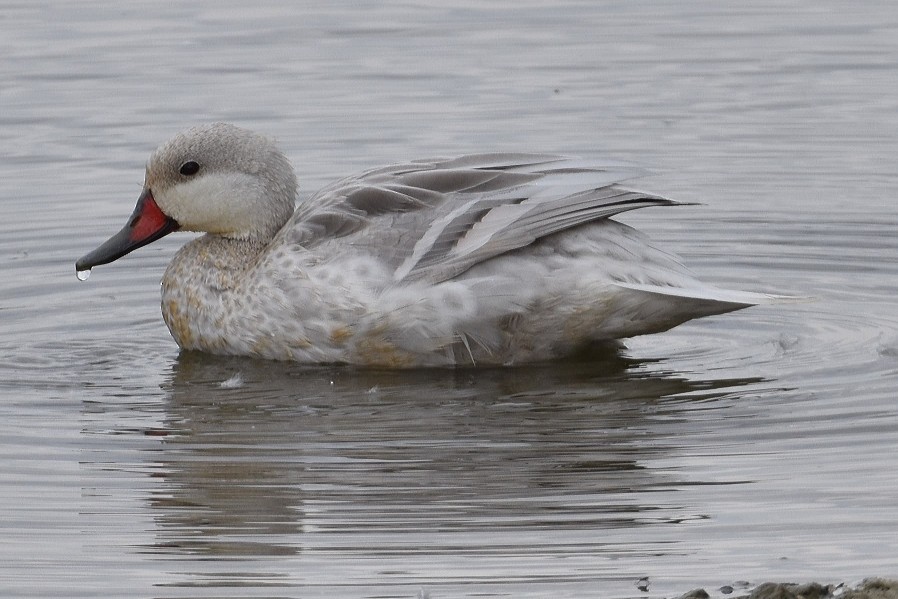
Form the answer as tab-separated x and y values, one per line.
189	168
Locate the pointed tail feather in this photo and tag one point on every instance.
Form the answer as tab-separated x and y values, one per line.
657	308
728	300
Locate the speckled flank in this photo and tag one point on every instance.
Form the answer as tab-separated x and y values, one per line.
492	259
178	325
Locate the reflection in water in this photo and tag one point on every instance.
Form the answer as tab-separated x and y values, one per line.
344	464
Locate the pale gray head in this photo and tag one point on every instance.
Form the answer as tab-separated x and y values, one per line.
217	179
223	179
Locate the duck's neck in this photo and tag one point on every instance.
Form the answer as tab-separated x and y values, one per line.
221	261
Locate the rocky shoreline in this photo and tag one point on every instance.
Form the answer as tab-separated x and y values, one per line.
872	588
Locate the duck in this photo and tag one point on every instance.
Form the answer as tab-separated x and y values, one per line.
491	259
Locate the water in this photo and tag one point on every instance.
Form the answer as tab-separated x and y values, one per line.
752	446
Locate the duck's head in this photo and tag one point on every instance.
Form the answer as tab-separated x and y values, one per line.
218	179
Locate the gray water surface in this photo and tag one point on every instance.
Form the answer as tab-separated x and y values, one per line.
752	446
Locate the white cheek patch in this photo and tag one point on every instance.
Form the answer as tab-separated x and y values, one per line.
222	203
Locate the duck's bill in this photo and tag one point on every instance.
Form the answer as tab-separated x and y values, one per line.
147	224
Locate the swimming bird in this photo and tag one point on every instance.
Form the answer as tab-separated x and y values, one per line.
486	259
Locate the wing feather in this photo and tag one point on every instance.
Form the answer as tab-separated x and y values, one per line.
433	219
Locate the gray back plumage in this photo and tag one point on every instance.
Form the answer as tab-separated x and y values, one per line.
432	220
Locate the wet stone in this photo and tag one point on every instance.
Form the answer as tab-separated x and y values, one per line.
778	590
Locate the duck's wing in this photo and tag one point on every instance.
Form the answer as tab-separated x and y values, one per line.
432	220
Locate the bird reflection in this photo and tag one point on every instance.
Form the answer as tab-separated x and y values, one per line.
266	458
